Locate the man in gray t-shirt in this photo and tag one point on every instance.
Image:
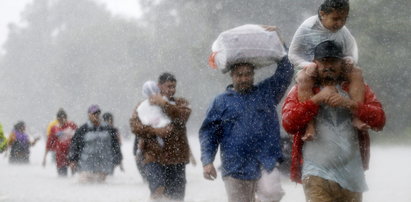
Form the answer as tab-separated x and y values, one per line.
331	167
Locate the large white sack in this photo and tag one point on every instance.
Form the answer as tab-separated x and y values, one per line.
247	43
152	115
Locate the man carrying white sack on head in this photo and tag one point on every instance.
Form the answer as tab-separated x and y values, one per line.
243	121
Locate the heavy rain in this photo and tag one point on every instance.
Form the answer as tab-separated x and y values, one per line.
73	54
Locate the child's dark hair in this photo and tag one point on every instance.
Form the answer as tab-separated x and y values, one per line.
164	77
329	6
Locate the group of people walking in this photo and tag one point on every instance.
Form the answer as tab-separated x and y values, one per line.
93	150
328	112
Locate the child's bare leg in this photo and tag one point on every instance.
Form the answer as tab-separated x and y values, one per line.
357	90
305	86
357	87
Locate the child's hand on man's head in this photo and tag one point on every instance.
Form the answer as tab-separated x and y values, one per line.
348	60
348	64
311	69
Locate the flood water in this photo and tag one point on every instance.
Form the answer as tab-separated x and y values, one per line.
387	179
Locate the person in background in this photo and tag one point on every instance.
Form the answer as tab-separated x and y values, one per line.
149	88
50	126
59	141
3	140
108	119
139	158
19	143
95	148
48	130
165	166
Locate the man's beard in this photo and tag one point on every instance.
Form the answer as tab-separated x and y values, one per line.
244	87
329	79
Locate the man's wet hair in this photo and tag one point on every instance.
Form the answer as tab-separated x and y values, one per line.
61	113
19	126
329	6
236	65
164	77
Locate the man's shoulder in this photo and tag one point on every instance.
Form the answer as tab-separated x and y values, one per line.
222	97
222	100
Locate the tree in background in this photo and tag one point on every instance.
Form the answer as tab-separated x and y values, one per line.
74	53
382	29
71	54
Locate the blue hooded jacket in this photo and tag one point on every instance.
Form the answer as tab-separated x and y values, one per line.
246	127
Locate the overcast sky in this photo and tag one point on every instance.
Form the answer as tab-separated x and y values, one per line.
10	11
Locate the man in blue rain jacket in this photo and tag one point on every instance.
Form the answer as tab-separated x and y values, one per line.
243	122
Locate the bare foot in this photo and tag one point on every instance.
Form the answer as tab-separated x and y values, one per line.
309	132
357	123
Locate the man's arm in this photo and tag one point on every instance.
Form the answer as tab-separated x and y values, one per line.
50	144
115	142
178	113
276	86
51	140
134	125
210	134
370	112
296	114
76	145
144	131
